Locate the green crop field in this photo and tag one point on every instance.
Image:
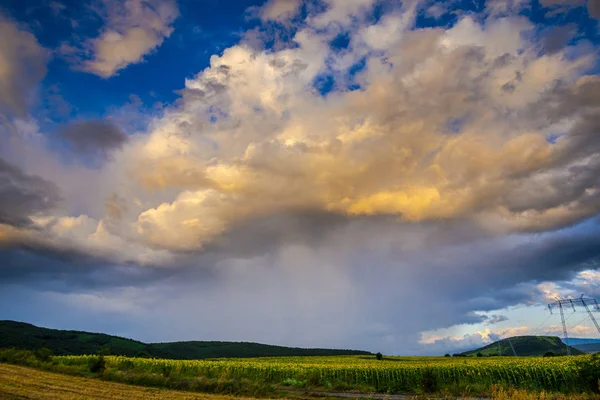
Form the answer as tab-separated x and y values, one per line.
391	375
461	376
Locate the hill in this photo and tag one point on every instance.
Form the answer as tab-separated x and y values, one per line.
525	346
30	337
590	348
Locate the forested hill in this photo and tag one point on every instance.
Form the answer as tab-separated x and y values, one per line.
30	337
525	346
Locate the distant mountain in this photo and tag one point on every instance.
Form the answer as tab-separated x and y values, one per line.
578	341
590	348
585	344
525	346
61	342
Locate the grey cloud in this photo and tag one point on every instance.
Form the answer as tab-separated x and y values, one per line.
364	293
594	8
561	6
66	270
23	195
95	139
557	37
368	282
22	67
494	319
555	188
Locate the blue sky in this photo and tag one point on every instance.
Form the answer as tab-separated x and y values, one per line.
299	172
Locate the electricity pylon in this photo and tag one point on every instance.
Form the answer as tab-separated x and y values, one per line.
584	302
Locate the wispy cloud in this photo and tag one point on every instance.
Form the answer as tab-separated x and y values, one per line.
131	30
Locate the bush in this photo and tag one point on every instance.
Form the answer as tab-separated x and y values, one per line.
549	354
142	354
379	356
97	364
43	354
294	382
104	352
21	357
479	354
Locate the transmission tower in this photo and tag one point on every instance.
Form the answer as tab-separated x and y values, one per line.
512	347
559	303
589	311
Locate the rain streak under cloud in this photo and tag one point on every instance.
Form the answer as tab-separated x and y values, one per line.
411	177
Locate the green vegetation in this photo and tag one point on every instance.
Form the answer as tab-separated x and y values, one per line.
21	383
461	375
30	337
525	346
476	376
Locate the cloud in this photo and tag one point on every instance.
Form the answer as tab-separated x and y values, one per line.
285	213
357	155
94	140
22	67
497	8
23	196
494	319
561	6
132	29
279	10
557	37
594	8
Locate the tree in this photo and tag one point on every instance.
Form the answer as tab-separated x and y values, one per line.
479	354
446	355
105	351
43	354
379	356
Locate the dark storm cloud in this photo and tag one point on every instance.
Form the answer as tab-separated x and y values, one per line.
263	235
23	195
324	271
66	270
95	139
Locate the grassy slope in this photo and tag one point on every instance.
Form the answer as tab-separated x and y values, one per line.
526	346
26	383
31	337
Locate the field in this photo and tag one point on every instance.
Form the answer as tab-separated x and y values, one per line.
267	377
26	383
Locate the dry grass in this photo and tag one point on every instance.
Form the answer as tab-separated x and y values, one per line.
26	383
499	393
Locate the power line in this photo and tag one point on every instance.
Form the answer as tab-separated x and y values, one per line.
559	303
540	325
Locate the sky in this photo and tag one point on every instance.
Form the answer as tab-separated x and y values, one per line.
412	177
